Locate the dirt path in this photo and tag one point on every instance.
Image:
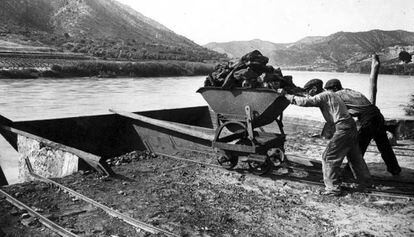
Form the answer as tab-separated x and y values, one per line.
196	200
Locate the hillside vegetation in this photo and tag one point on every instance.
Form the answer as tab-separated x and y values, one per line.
342	51
100	28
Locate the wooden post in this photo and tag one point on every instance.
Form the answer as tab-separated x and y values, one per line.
3	180
375	65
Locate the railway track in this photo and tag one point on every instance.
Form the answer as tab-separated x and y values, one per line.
299	159
375	178
399	151
95	212
371	192
57	222
42	219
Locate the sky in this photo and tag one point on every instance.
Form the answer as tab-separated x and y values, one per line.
287	21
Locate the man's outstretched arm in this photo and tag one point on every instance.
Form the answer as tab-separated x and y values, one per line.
309	101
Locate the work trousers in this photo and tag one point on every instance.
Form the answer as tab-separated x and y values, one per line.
375	129
343	143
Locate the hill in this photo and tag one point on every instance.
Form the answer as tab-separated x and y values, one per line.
236	49
101	28
342	51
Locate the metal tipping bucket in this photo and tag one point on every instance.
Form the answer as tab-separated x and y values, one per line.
266	104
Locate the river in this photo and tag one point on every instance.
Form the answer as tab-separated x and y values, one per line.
32	99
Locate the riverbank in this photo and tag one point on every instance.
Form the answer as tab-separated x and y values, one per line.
363	68
103	68
34	64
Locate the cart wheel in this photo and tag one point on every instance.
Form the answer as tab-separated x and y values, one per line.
277	156
258	168
228	161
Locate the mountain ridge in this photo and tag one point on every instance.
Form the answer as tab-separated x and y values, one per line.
247	46
341	51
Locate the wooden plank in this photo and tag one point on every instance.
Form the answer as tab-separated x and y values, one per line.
55	145
5	121
91	159
3	180
373	78
295	158
195	131
9	157
234	147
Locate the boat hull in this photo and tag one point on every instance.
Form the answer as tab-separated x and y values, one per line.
100	137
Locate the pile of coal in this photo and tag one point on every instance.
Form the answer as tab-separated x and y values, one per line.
130	157
250	71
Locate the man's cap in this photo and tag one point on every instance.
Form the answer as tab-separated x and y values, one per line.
333	83
314	82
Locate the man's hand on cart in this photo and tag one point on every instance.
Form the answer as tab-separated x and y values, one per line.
284	93
281	91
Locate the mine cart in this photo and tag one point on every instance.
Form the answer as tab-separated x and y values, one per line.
241	115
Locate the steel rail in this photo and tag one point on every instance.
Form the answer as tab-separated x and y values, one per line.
136	223
371	191
310	170
188	160
46	222
402	148
375	178
369	151
397	147
176	168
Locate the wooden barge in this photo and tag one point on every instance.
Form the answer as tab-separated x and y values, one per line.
87	141
59	147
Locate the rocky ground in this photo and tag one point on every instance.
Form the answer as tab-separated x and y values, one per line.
197	200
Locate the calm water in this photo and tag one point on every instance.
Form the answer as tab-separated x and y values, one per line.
56	98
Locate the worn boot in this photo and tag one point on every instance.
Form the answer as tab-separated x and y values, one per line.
337	191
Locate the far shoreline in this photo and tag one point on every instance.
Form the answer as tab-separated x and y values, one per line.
154	68
111	69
